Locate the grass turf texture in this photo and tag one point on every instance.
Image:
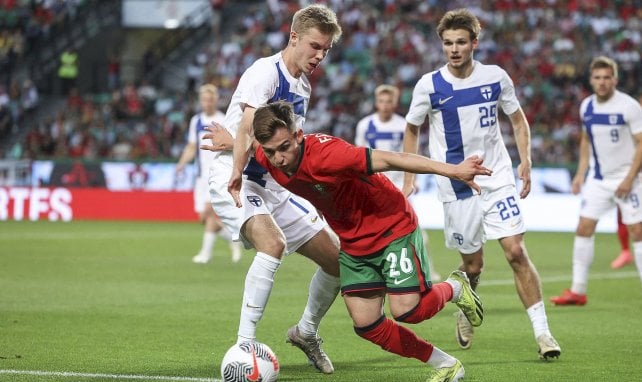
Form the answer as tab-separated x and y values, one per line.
122	298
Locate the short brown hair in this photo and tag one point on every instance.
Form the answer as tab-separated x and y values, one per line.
317	16
460	18
271	117
603	62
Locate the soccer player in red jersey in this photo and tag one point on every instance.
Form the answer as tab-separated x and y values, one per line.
382	251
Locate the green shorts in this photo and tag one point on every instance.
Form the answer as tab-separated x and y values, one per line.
401	267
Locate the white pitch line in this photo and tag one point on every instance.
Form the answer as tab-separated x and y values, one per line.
106	376
552	279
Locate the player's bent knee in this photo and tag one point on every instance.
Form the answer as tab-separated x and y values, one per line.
324	252
404	306
409	317
369	331
275	248
330	261
516	255
331	269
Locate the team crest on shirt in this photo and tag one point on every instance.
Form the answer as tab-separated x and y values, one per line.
254	200
459	238
486	92
319	188
613	119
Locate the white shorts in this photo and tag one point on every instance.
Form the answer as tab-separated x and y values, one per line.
297	218
598	197
201	194
222	202
470	222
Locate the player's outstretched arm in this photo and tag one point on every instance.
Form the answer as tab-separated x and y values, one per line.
410	145
242	149
465	171
217	138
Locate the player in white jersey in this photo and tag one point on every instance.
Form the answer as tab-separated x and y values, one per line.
384	130
463	100
611	150
273	220
208	99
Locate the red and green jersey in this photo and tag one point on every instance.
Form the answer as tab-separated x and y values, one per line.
364	208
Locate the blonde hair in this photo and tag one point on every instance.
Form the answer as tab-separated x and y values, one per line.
460	18
603	62
208	88
387	89
317	16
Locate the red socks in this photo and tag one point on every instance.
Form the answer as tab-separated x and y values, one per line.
400	340
429	305
396	339
622	232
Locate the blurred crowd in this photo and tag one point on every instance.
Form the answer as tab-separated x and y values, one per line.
131	122
26	25
544	45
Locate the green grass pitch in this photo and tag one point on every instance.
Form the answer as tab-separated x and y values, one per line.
111	301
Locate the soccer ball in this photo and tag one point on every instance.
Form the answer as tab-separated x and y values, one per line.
250	361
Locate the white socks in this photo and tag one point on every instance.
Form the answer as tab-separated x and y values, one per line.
209	239
439	359
456	285
236	247
258	286
537	314
225	234
323	290
583	253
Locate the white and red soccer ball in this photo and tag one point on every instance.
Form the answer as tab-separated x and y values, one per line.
250	361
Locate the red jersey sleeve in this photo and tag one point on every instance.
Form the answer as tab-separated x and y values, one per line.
335	156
